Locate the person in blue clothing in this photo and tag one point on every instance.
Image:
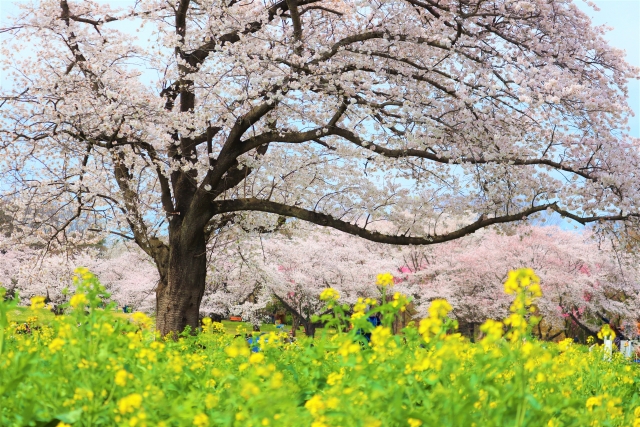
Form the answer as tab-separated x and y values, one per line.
254	339
376	321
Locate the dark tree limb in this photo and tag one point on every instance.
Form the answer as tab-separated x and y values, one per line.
253	204
586	329
422	154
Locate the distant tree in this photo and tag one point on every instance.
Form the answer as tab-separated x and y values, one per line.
304	265
580	280
127	273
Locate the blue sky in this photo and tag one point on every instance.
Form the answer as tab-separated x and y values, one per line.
624	17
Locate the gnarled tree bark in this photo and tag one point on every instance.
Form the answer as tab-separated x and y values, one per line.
178	298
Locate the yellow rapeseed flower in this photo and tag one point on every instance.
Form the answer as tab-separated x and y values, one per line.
211	401
523	279
129	403
400	300
56	345
256	358
335	377
492	329
329	294
430	326
515	320
384	279
380	336
140	317
348	348
606	331
84	273
277	380
78	299
315	404
201	420
593	401
565	344
535	290
360	305
333	403
414	422
357	315
439	308
121	377
237	349
37	303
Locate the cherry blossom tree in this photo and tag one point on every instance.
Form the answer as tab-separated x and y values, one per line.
305	264
293	267
581	278
127	273
339	113
129	276
236	277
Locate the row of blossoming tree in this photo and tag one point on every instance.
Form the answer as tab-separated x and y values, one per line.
582	279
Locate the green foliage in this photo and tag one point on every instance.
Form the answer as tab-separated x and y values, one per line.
21	314
93	367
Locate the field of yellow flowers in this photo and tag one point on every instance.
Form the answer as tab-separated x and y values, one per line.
91	368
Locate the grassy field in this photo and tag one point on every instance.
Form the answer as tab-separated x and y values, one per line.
231	327
21	314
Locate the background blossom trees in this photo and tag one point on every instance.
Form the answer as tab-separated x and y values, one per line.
582	278
127	273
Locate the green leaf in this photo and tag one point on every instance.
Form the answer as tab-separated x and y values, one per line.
70	417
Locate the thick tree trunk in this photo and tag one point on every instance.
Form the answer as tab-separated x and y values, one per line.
295	324
178	297
310	328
